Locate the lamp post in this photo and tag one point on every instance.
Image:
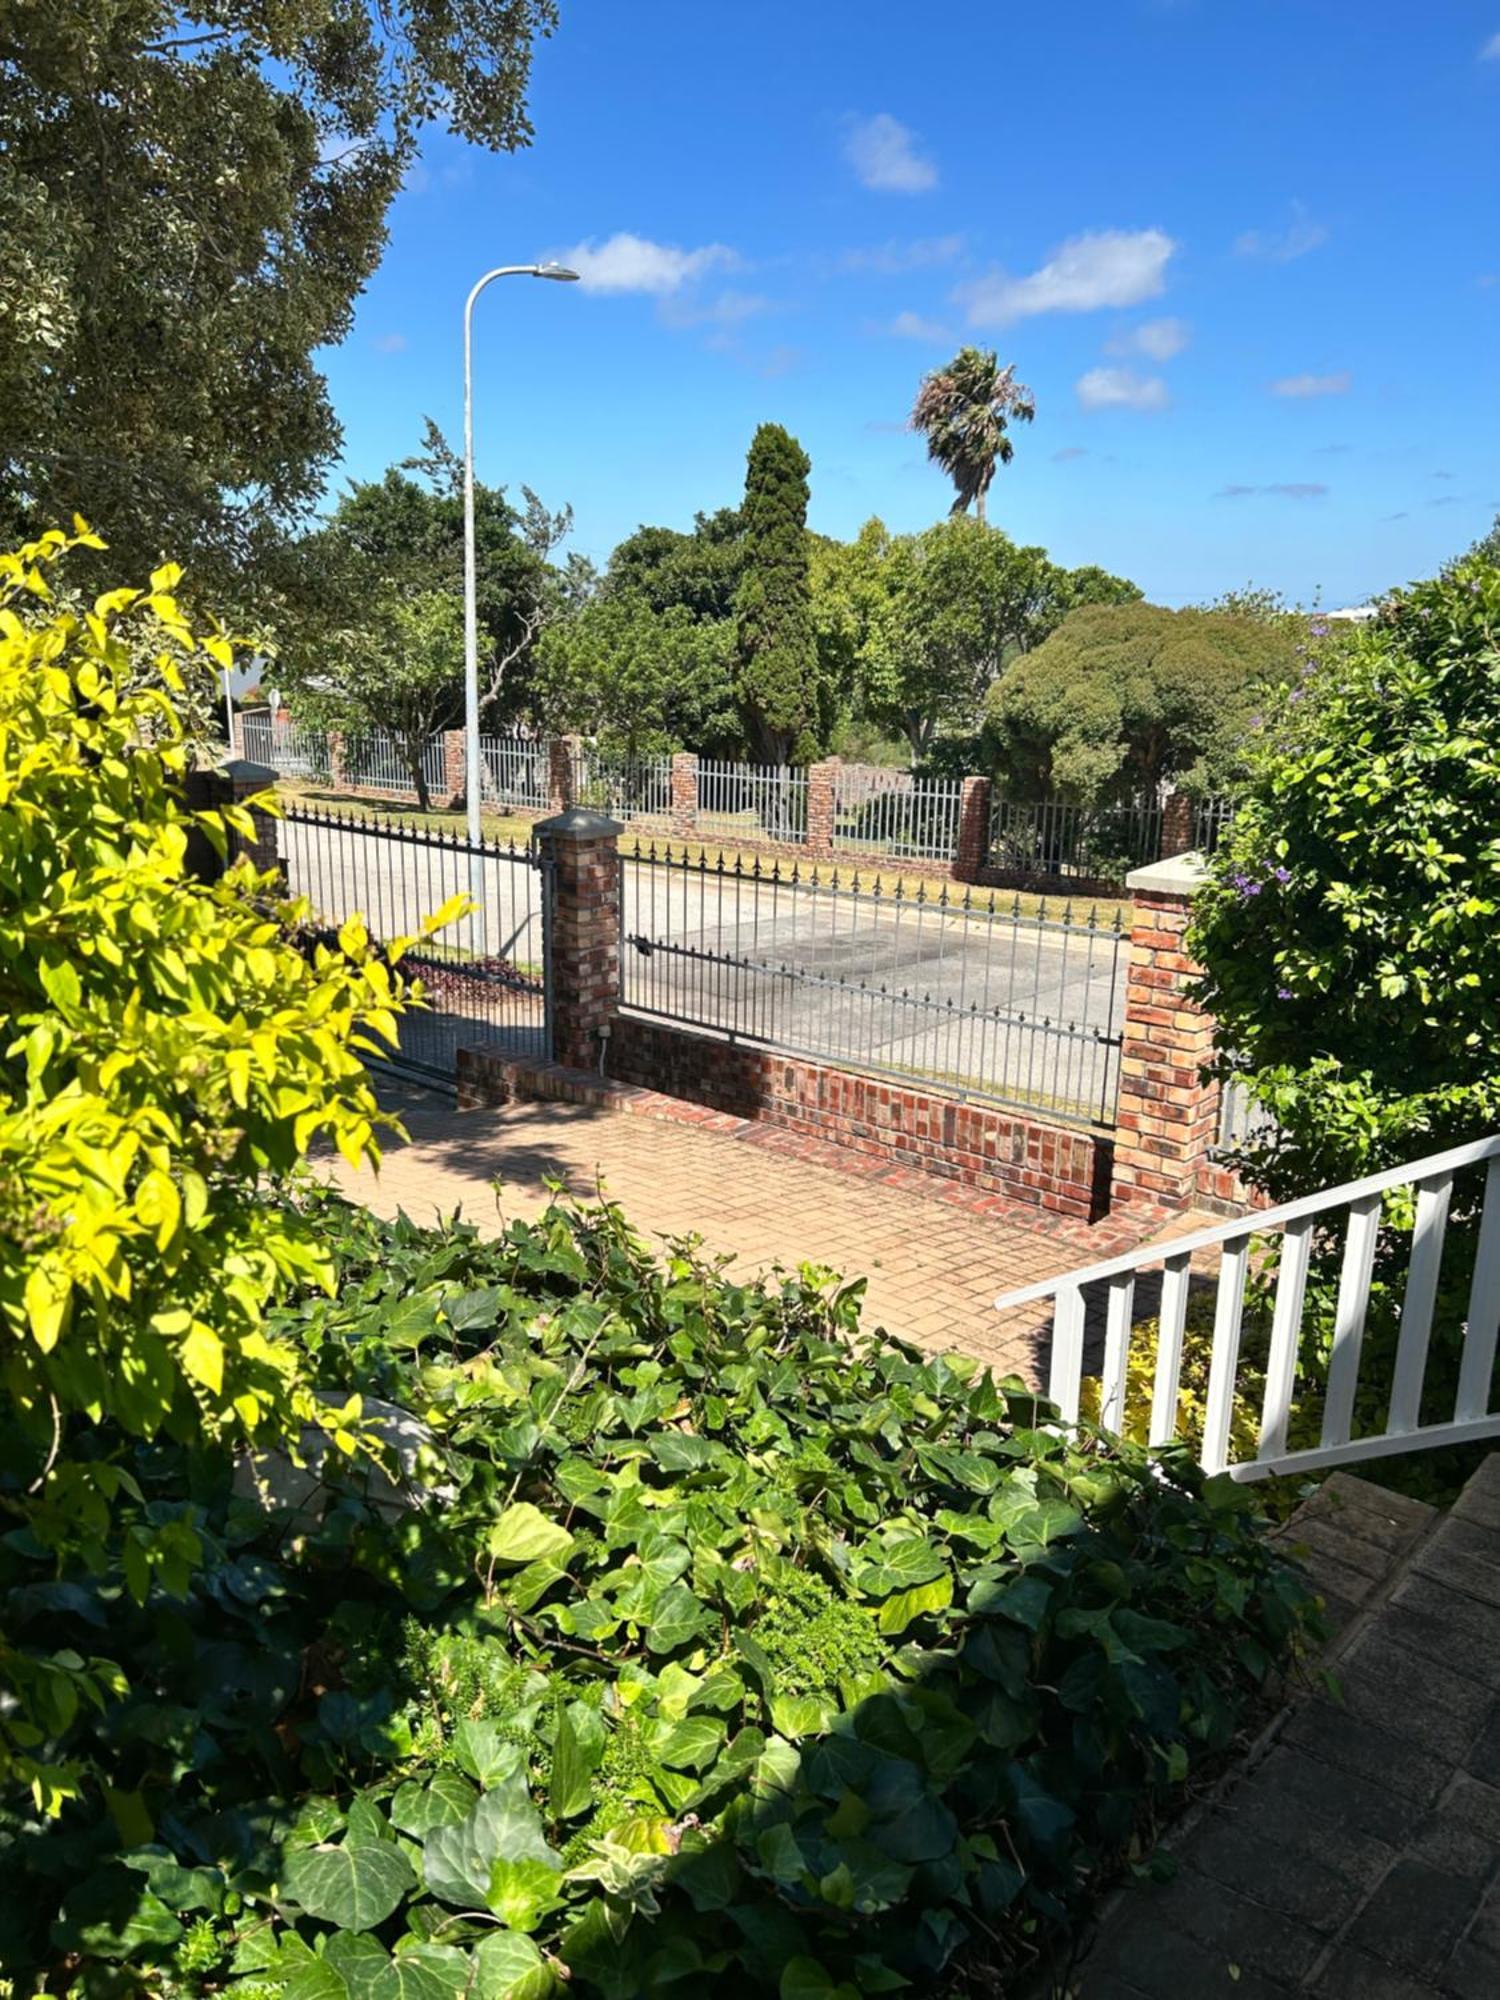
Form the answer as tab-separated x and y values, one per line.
472	775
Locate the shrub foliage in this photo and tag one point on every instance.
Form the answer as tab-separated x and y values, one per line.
721	1648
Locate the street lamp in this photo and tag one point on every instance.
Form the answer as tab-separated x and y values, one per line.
471	608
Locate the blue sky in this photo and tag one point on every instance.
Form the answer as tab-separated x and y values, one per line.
1246	253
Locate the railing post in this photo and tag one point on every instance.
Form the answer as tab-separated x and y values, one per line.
455	777
1176	825
973	846
1168	1115
562	771
822	805
231	783
684	808
583	932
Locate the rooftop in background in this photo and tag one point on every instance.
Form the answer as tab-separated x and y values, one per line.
1354	614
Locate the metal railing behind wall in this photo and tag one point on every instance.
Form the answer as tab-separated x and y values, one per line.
288	748
755	801
378	763
516	771
1049	837
393	876
627	788
892	813
948	988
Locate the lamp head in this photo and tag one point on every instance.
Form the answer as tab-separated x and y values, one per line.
559	272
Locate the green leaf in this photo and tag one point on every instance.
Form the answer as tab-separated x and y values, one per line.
805	1979
523	1534
509	1967
417	1808
422	1972
504	1826
113	1914
576	1755
678	1451
677	1618
483	1752
898	1612
353	1887
522	1892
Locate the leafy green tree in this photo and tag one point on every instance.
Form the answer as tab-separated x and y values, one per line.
777	683
699	571
192	198
168	1058
1350	932
400	674
1124	696
639	677
922	625
965	410
398	541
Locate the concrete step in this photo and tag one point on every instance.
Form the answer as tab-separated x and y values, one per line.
1355	1853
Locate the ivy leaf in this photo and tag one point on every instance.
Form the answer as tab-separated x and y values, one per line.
483	1752
523	1534
679	1451
417	1808
509	1967
421	1972
504	1826
113	1914
354	1887
805	1979
576	1755
898	1612
677	1618
522	1892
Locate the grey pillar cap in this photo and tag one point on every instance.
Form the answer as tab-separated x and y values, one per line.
245	771
1179	876
578	823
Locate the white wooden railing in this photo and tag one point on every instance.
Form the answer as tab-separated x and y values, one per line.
1297	1222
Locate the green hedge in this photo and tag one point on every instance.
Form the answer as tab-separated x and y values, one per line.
718	1650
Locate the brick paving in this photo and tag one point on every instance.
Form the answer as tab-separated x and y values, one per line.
934	1257
1357	1857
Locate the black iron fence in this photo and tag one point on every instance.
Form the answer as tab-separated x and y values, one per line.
485	974
967	992
1049	838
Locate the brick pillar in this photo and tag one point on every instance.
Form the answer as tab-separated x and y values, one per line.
1176	825
455	771
822	804
1169	1116
237	733
336	780
973	848
684	820
562	771
231	784
583	932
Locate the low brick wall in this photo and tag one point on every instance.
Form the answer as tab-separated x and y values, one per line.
977	1145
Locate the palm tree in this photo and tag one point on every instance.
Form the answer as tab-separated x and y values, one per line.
963	410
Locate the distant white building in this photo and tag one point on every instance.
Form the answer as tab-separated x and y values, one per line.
1354	614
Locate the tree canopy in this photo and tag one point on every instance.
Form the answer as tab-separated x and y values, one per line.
1123	696
192	198
964	410
640	678
777	683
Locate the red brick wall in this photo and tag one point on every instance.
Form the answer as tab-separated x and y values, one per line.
978	1145
1168	1116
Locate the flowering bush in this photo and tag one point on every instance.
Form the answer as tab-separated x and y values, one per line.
1349	933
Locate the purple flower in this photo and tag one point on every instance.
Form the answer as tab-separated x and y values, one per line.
1283	993
1319	628
1282	874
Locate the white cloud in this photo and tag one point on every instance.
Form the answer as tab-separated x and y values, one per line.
1285	489
1282	246
1157	339
627	263
912	326
390	343
883	153
1105	267
1068	452
1121	389
1312	385
1491	50
891	260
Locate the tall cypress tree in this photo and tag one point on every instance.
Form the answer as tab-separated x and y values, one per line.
778	662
